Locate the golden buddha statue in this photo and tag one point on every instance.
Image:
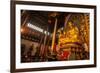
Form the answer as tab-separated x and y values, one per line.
70	35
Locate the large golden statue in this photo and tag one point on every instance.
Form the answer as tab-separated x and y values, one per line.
70	35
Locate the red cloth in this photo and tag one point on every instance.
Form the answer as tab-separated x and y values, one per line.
64	55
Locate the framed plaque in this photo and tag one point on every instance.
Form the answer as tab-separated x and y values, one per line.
51	36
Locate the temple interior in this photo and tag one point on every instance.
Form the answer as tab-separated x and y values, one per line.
54	36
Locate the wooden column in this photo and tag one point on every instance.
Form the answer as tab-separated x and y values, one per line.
54	34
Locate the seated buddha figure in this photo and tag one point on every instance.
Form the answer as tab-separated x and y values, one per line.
72	33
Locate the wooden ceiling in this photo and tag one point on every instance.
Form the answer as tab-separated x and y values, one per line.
43	19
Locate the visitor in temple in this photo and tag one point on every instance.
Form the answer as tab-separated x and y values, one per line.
29	54
23	58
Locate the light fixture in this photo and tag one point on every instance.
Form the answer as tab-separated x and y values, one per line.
22	30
